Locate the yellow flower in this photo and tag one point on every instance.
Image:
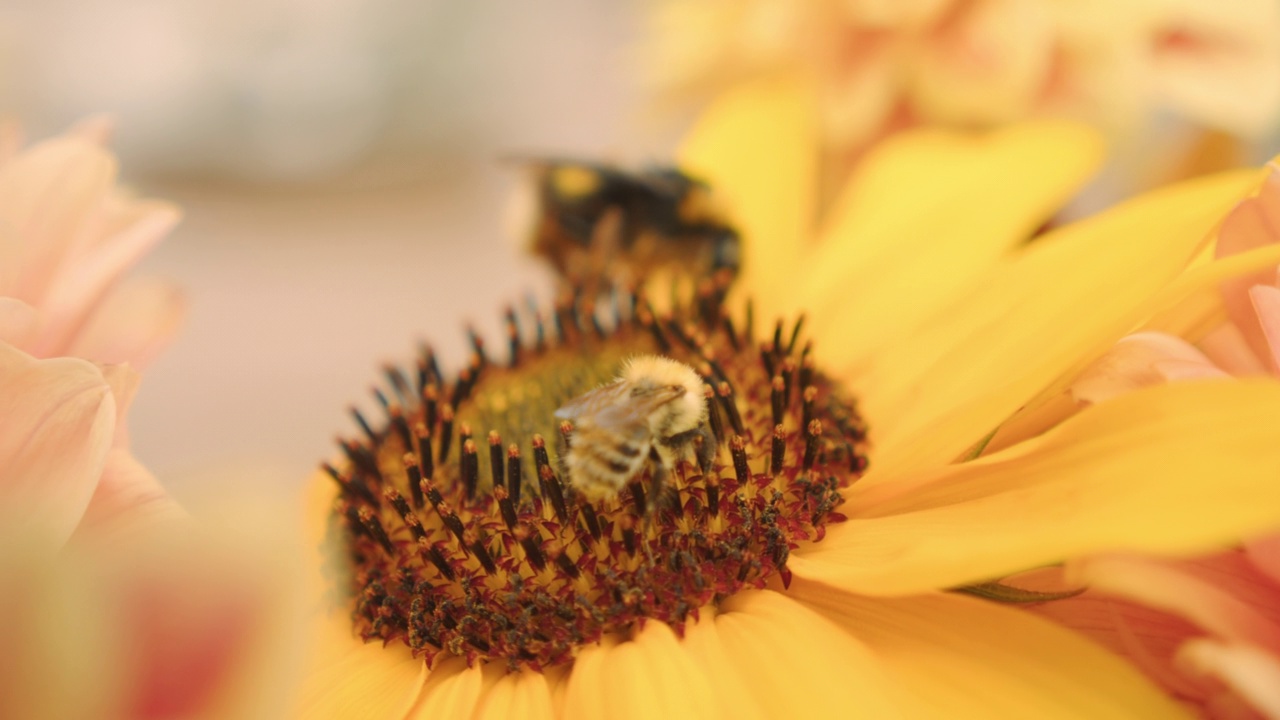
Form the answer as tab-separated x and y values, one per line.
882	65
923	298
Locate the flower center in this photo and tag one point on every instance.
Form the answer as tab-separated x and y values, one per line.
480	545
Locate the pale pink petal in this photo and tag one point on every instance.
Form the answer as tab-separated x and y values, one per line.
57	418
1222	594
19	323
1251	671
1252	224
132	228
50	197
1218	63
128	499
97	129
1135	362
1266	304
134	323
1183	370
124	386
1226	346
10	138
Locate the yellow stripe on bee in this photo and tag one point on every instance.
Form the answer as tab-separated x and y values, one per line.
574	181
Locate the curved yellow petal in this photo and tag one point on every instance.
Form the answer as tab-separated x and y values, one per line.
702	642
348	678
585	695
798	663
1063	301
523	695
452	690
757	146
1172	469
653	676
962	657
923	216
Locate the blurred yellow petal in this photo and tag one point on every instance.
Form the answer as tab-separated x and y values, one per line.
962	657
1172	469
915	225
702	642
1067	297
524	695
798	663
452	690
756	145
652	676
348	678
585	691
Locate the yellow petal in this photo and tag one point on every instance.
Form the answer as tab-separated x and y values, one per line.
1062	301
653	676
798	663
348	678
923	216
585	696
757	146
452	690
962	657
702	642
523	695
1173	469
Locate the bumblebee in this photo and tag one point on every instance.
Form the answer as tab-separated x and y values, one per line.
603	227
650	415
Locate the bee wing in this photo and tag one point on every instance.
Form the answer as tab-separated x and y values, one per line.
592	402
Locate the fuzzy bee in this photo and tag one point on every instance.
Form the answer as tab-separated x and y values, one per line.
652	414
601	226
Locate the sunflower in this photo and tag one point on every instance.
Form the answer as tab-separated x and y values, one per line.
808	572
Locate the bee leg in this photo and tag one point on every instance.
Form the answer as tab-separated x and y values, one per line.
657	483
706	449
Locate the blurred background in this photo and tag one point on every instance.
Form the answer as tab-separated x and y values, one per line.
339	164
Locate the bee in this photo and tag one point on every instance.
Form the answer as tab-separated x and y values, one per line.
604	227
650	415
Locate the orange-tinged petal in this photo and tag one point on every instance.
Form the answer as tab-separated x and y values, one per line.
56	422
757	146
1192	305
962	657
452	690
702	642
524	695
652	676
348	678
971	366
914	226
1170	469
799	663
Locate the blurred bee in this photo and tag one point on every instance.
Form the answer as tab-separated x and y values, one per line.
652	414
603	227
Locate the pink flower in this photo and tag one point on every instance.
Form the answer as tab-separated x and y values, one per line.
68	233
1223	648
